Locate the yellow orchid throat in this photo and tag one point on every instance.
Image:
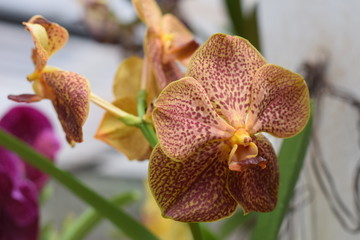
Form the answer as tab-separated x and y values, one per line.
167	39
211	155
242	150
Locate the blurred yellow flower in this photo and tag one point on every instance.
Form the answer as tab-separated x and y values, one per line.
127	83
167	41
163	228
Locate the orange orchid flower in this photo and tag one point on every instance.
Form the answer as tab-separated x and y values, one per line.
167	41
211	155
69	92
129	140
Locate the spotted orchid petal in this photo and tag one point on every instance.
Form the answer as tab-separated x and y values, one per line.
181	43
255	189
225	66
185	119
165	72
279	102
48	38
127	139
70	95
25	98
195	189
161	227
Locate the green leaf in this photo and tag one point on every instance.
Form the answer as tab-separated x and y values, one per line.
195	231
131	227
235	11
85	223
207	234
46	194
291	158
236	221
244	25
48	232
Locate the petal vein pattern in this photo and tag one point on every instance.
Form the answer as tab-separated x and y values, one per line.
185	119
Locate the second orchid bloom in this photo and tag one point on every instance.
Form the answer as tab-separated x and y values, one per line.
69	92
211	154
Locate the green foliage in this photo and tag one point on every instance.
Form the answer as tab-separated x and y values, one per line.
291	160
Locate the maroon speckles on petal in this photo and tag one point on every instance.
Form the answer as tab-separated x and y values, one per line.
165	72
256	188
48	38
224	66
193	190
71	96
185	119
27	98
280	102
57	35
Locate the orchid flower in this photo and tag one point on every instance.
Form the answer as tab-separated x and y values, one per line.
211	155
127	139
167	41
69	92
20	183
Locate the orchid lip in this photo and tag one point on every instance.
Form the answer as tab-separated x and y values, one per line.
248	163
244	152
241	137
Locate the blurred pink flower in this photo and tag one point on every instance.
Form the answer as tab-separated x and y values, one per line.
20	183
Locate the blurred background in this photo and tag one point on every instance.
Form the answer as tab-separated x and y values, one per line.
318	38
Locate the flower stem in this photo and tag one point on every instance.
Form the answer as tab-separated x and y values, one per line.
195	231
146	128
125	117
131	227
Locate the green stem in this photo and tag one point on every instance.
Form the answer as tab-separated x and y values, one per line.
291	160
149	133
125	117
141	103
90	218
118	217
195	230
146	128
